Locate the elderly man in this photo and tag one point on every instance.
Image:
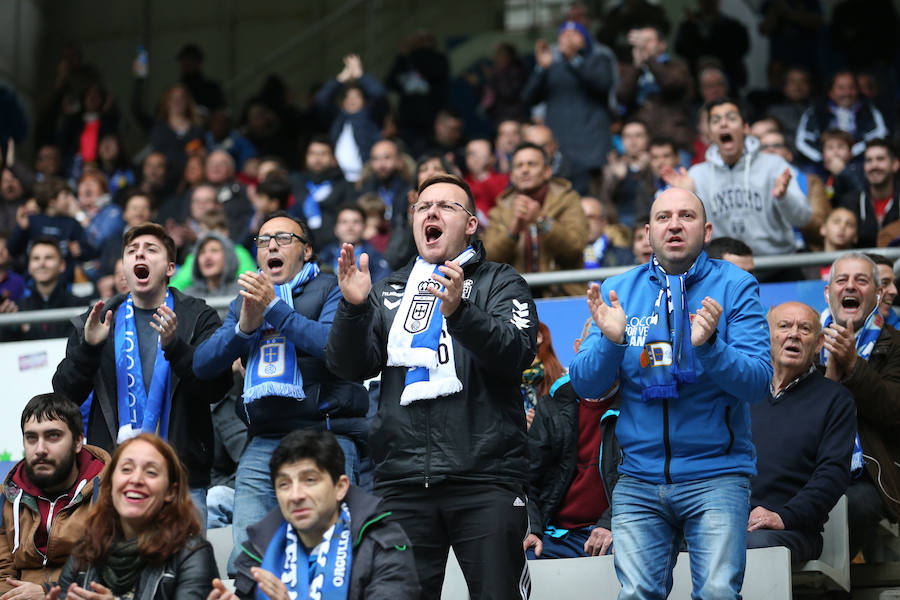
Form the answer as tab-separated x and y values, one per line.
691	356
863	353
538	224
803	435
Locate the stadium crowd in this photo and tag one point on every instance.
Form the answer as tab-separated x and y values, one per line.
380	389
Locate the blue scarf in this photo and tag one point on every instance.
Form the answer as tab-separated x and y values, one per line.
140	410
593	253
324	575
316	192
667	358
272	368
865	342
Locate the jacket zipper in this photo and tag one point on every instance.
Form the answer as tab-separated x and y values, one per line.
730	430
427	446
666	438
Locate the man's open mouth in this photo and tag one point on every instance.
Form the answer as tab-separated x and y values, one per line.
792	348
726	138
142	272
850	302
275	263
432	233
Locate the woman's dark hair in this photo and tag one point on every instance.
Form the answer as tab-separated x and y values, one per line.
169	529
319	446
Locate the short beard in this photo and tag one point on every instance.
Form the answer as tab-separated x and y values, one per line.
52	480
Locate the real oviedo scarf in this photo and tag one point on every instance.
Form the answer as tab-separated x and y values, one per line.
272	368
324	575
140	409
667	358
418	338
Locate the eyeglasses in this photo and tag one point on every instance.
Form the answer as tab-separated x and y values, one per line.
282	238
420	208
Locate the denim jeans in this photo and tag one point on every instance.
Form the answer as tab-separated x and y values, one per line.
254	495
651	520
198	497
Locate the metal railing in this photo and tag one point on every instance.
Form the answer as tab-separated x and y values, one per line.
762	263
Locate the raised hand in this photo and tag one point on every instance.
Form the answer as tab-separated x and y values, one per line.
781	184
704	323
840	341
610	318
164	323
678	178
257	293
95	330
355	282
220	592
270	584
451	295
542	54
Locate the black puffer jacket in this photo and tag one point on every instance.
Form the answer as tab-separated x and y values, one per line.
553	455
382	567
475	434
187	575
87	369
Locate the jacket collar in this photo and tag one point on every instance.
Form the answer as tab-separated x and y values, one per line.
698	270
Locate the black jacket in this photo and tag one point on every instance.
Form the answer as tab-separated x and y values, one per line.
187	575
60	297
341	193
87	369
861	204
475	434
820	116
382	566
553	455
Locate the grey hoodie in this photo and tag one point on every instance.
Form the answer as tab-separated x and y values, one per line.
228	285
739	201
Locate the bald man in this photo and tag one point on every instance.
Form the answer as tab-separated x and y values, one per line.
803	433
541	135
691	355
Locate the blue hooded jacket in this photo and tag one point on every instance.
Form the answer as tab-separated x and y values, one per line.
705	432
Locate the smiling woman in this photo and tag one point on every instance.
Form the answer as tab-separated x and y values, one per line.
143	533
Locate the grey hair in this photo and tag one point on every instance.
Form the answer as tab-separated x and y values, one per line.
856	256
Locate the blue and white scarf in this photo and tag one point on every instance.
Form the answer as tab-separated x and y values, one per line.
315	193
140	410
593	253
865	342
272	368
324	575
418	338
667	358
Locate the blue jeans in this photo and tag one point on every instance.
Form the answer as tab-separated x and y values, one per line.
651	520
198	497
254	495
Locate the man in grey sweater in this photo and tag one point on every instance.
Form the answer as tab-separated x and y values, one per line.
749	195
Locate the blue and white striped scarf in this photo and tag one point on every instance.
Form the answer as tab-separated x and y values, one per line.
272	368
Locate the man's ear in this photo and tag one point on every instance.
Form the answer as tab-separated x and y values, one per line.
341	487
170	270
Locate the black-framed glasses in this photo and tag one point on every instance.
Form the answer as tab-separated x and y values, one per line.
282	238
421	207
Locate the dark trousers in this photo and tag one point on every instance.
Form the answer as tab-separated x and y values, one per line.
485	523
865	509
804	545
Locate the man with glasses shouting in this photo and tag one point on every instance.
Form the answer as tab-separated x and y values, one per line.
450	333
278	326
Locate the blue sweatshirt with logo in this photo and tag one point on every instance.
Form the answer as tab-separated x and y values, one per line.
705	432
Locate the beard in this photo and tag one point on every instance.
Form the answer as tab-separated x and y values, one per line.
51	480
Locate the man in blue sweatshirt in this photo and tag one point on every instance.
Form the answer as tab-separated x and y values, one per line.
687	338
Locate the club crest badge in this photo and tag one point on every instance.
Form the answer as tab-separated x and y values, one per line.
467	289
272	357
421	308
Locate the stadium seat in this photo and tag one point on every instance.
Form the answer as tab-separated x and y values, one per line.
832	569
767	577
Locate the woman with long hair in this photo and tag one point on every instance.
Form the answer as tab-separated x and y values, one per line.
544	370
141	539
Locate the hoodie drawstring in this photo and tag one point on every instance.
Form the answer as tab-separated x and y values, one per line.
16	503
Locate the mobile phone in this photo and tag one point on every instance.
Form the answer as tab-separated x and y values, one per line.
142	62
